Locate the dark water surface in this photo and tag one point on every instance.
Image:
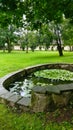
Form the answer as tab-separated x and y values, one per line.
24	86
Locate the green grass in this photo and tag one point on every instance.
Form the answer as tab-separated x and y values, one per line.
25	121
17	60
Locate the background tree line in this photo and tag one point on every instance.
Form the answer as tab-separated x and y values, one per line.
50	20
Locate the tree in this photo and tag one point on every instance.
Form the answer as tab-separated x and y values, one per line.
11	13
67	34
47	35
37	12
57	30
32	38
7	37
10	16
42	11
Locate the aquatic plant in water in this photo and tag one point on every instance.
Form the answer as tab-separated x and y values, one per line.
57	74
40	78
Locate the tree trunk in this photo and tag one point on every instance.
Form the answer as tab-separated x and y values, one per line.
59	46
9	48
27	45
58	40
60	50
32	49
23	48
52	48
72	48
40	48
8	45
27	49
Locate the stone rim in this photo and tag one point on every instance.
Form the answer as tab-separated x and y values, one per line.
16	100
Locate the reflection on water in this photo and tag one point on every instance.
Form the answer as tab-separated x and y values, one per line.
24	86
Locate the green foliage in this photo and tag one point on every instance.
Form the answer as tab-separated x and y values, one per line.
10	13
25	121
41	11
58	74
37	12
7	38
67	33
47	35
32	39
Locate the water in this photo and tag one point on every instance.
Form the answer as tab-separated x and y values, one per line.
24	86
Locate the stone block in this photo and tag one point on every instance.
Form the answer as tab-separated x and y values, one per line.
62	99
40	102
25	101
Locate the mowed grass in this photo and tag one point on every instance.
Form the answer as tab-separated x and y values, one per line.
18	60
25	121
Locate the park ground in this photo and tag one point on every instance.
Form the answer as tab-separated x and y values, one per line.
10	119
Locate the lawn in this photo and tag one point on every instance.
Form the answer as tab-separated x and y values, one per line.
11	120
18	60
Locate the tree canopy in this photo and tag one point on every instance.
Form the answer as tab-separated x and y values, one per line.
36	11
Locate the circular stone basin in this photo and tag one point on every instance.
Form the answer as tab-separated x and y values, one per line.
42	98
49	77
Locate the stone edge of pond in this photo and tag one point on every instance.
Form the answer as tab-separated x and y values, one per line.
10	99
24	103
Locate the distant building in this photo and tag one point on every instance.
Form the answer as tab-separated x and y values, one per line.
17	48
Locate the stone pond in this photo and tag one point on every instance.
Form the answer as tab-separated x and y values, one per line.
42	99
